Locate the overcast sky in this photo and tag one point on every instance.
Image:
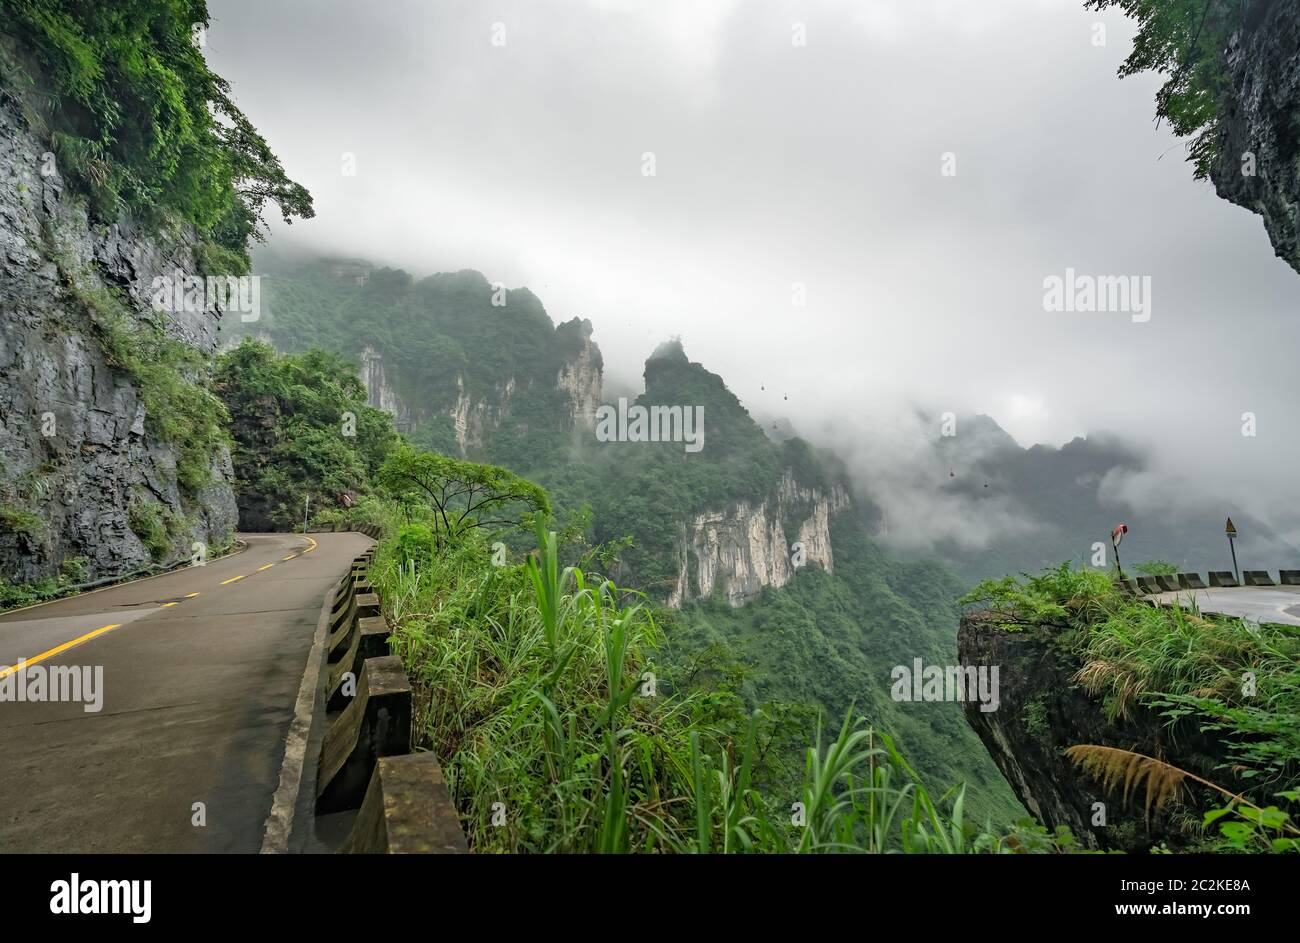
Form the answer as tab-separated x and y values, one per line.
819	164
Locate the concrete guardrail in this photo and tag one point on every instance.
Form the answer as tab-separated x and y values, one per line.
1224	579
401	798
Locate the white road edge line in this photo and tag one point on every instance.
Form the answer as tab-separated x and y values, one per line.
279	823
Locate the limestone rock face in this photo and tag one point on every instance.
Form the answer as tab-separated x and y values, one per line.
379	392
743	548
474	417
74	450
470	416
1260	114
580	378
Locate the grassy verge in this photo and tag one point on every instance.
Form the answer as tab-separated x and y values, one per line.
538	689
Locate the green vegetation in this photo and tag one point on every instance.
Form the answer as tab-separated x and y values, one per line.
1250	828
301	430
141	122
1223	675
171	376
650	491
464	495
19	595
157	527
540	691
823	643
146	522
432	332
1183	40
1157	568
1035	717
829	642
18	520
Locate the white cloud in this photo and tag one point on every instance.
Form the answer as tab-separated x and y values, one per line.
819	165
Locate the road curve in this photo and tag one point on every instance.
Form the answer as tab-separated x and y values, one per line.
1279	604
200	674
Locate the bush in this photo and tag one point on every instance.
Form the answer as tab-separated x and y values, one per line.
18	520
1156	568
28	594
1060	597
414	545
149	522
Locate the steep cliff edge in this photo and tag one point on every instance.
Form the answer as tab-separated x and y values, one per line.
1042	712
1257	162
83	462
746	547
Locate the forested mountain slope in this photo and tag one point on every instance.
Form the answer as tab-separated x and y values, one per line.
757	543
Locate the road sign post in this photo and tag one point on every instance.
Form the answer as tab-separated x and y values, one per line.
1116	535
1231	531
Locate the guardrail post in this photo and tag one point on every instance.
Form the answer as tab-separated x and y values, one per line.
376	723
407	810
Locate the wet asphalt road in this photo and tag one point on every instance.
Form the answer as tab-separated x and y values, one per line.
200	673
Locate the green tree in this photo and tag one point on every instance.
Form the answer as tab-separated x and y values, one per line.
141	121
301	428
464	495
1183	40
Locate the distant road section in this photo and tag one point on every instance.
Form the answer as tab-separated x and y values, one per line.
1279	604
200	673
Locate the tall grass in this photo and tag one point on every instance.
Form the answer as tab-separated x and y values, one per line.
1226	675
532	689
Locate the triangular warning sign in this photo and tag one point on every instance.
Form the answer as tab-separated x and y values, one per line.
1231	528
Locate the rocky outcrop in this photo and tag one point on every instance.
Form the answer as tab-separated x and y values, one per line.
1041	712
746	547
580	379
475	416
76	452
1258	145
379	392
470	416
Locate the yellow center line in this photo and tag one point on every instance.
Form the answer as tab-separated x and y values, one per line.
190	595
166	604
233	578
289	557
313	544
267	567
61	648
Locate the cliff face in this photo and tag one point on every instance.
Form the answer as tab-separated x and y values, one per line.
1041	713
744	548
474	416
379	392
580	378
74	447
1260	116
